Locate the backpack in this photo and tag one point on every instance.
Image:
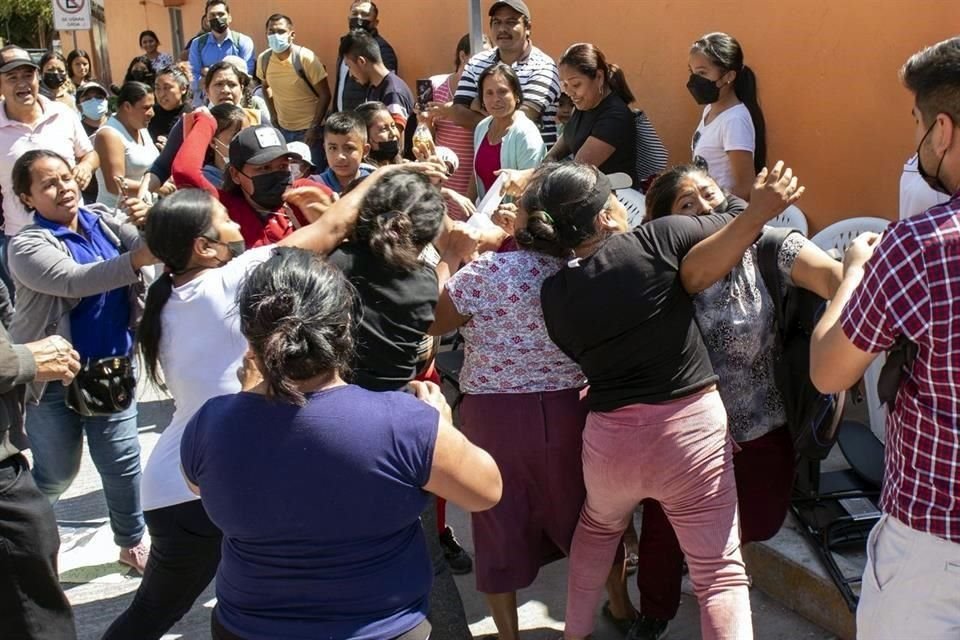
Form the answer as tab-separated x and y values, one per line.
813	418
234	36
297	67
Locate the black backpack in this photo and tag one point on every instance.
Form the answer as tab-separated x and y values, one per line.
812	417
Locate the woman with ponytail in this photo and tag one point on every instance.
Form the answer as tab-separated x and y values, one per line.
189	330
601	131
731	140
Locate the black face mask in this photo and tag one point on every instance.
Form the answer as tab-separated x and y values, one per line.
703	90
235	247
54	79
933	181
268	189
141	76
387	150
359	23
219	25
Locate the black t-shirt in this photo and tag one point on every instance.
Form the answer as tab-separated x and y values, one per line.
612	122
397	311
162	121
623	315
395	93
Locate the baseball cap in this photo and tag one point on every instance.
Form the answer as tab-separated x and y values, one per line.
13	57
258	145
517	5
91	86
302	150
237	62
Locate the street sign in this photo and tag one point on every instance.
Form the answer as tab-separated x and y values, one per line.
71	15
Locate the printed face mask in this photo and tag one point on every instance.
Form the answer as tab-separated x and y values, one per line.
704	90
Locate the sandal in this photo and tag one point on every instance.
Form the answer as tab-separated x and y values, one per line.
621	624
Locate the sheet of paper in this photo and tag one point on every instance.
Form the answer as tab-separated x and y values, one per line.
489	204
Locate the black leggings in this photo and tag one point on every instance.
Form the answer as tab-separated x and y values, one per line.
184	555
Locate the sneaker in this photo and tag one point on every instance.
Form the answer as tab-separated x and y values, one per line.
457	559
135	557
645	628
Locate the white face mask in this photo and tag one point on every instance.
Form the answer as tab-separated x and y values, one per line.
279	42
94	109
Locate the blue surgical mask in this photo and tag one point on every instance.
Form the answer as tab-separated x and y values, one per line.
279	42
94	109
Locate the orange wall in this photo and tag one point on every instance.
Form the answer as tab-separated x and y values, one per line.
827	70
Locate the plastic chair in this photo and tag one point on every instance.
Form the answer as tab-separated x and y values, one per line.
791	218
839	235
635	203
836	238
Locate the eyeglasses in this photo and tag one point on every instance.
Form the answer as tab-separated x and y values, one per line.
513	23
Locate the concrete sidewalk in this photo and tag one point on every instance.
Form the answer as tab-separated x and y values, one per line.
100	589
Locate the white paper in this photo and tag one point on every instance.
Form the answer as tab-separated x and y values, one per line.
492	199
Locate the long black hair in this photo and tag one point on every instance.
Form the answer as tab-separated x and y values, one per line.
173	225
296	312
399	216
589	60
724	51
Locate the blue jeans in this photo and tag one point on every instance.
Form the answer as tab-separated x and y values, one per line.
292	136
56	438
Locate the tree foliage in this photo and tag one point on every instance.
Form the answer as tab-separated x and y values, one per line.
28	23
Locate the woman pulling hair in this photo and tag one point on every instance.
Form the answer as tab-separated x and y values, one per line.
522	403
506	139
601	130
54	82
736	319
79	67
192	302
124	144
731	139
656	427
73	270
172	88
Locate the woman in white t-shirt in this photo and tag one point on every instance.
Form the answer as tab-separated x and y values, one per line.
730	140
190	330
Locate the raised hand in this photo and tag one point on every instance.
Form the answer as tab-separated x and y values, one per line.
774	191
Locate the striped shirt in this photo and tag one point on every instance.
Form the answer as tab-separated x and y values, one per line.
539	81
911	288
459	140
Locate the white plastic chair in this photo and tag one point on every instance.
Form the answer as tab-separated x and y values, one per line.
635	203
793	218
835	239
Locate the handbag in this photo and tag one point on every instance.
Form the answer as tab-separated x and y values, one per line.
102	387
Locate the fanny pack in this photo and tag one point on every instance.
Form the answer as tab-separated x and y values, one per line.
103	386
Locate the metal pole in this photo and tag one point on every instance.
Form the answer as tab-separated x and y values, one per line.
74	39
476	26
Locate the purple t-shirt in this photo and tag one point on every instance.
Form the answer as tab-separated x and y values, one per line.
319	507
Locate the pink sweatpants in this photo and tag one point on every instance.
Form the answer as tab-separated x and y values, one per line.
680	454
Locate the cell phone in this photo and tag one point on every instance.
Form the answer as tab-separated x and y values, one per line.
424	93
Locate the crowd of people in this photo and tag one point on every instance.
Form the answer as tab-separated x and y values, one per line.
285	258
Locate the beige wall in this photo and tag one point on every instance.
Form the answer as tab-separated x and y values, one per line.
827	70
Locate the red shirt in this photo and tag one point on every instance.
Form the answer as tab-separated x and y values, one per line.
911	288
257	228
487	162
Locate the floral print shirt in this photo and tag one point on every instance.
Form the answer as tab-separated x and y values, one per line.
506	347
736	319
